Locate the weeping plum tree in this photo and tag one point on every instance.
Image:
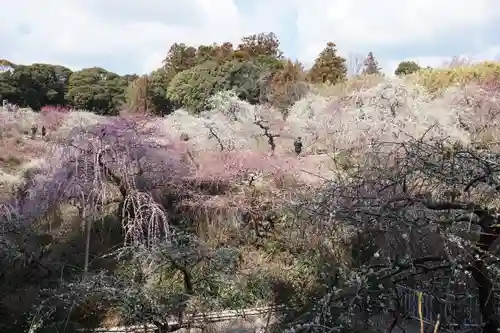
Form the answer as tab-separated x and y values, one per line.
129	162
96	166
105	163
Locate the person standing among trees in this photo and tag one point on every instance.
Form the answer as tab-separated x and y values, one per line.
44	131
34	129
298	145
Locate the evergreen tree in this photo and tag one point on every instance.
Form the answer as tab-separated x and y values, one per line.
328	66
406	68
371	65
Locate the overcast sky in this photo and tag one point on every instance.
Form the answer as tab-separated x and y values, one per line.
133	36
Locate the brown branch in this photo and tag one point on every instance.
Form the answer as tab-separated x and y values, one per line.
270	137
117	180
213	134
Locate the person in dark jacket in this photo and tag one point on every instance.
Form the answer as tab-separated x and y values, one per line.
298	145
44	131
34	129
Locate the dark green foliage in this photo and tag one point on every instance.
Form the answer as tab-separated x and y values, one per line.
38	85
193	88
97	90
406	68
158	89
35	85
192	73
245	78
8	88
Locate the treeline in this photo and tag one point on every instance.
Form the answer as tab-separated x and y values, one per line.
255	69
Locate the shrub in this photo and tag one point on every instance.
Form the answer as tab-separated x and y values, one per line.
436	80
193	88
407	68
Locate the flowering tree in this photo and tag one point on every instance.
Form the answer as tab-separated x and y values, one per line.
395	110
98	165
149	174
422	214
406	168
230	124
90	159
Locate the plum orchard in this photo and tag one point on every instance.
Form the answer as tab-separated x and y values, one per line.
422	214
154	179
403	163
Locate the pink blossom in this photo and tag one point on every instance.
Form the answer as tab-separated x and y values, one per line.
228	166
55	108
52	117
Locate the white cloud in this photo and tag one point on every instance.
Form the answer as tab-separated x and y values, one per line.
64	31
131	35
363	23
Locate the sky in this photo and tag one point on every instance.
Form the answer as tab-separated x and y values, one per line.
133	36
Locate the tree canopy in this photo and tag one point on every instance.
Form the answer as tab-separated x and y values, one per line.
370	65
255	69
406	68
328	66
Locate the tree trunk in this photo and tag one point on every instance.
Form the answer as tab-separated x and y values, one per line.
166	328
88	229
487	298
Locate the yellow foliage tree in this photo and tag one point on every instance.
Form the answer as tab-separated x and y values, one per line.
139	95
288	85
328	66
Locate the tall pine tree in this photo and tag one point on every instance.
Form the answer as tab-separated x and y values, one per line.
371	65
328	66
